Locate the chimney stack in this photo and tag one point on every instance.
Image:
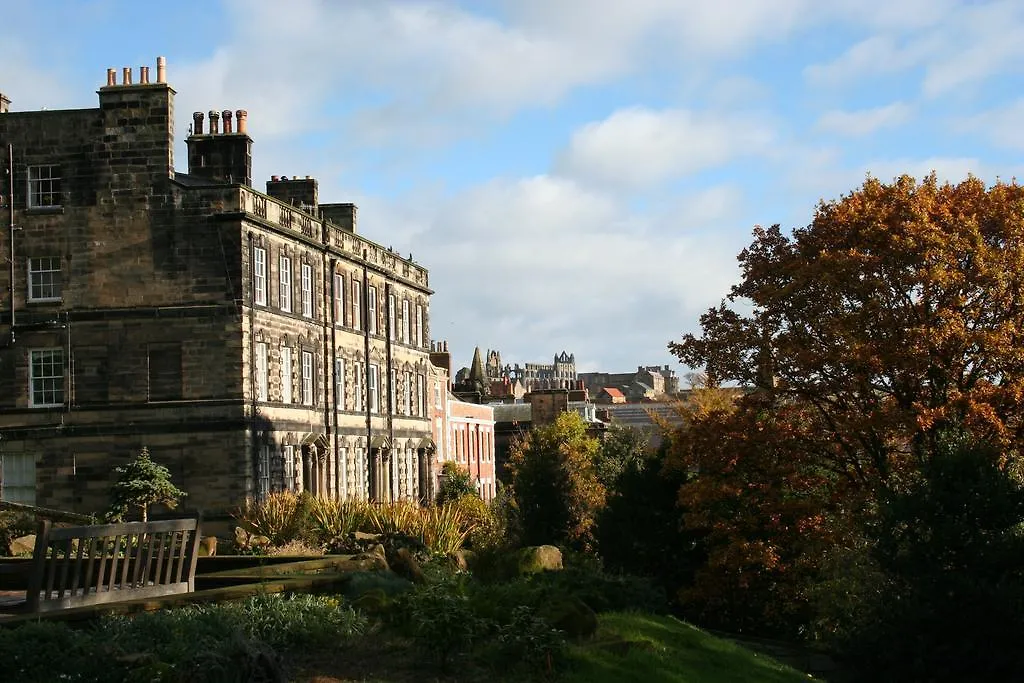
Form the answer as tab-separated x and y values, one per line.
227	120
161	70
240	116
144	75
197	123
5	103
111	77
214	122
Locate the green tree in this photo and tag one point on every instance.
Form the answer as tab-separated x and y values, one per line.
623	447
140	484
555	484
456	482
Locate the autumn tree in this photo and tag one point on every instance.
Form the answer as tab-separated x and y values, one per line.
554	483
895	316
456	482
142	483
898	312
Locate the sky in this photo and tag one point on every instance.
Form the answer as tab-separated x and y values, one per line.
576	175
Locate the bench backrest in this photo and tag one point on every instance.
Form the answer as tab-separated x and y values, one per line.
90	565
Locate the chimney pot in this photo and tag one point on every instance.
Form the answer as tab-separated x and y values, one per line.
161	70
227	120
214	122
274	178
240	116
197	123
144	74
111	76
127	73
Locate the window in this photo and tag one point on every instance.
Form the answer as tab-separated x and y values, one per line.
405	321
393	392
373	388
437	395
339	383
263	473
43	186
261	371
357	303
164	362
285	287
407	408
339	299
288	456
307	290
359	387
18	478
421	406
286	374
419	326
371	309
46	378
44	279
307	378
391	317
259	275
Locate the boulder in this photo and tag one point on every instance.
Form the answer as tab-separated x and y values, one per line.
363	537
463	559
23	546
536	559
572	616
364	562
208	546
405	565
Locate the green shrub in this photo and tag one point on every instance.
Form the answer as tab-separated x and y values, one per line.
283	517
528	642
440	619
456	483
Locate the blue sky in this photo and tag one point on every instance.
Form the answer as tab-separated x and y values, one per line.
576	174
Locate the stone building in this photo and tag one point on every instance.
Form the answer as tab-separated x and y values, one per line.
648	383
559	374
254	341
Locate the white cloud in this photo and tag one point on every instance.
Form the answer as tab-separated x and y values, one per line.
864	121
1001	125
639	147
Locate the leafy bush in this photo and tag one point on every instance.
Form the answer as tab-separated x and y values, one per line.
283	517
14	525
456	483
440	618
527	641
444	528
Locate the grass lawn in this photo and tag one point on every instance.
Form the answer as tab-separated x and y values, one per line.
653	649
628	647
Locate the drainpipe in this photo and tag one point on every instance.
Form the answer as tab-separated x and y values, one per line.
10	213
388	362
252	360
341	475
374	464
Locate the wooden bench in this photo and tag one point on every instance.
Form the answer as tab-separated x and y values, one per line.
92	565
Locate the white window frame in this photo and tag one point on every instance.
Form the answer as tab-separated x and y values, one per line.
419	325
421	395
44	274
259	276
287	393
307	378
307	290
360	383
339	383
407	408
285	284
262	369
371	308
18	478
405	321
45	386
391	317
393	392
373	388
288	458
44	186
357	304
339	299
263	473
